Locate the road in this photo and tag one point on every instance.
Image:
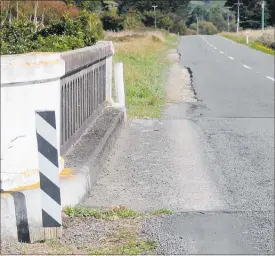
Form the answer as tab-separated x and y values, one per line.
211	162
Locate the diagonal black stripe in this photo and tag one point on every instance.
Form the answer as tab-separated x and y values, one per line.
48	116
49	221
47	150
50	188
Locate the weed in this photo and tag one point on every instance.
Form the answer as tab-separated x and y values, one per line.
162	211
129	248
136	247
260	47
116	212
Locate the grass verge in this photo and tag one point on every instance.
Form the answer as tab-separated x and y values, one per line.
119	212
126	241
117	230
162	212
133	247
254	43
144	66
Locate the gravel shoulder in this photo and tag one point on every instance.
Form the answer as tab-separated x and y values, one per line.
85	235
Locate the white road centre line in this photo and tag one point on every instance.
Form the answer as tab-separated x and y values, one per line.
270	78
246	67
215	47
231	58
221	52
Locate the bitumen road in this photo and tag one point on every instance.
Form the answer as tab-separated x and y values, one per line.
211	162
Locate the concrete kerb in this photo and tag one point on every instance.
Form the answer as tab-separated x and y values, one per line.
21	210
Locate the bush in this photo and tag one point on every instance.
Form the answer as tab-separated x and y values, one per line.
54	43
180	28
112	21
133	20
60	35
91	27
252	24
267	40
206	28
17	37
87	26
148	18
165	22
191	32
64	26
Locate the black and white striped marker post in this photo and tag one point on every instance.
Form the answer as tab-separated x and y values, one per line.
48	168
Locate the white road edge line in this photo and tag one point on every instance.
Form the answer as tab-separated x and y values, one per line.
246	67
231	58
270	78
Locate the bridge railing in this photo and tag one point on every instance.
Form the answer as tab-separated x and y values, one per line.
74	84
83	90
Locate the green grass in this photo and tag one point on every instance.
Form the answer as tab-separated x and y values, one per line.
126	241
118	212
254	45
144	75
132	247
162	211
171	38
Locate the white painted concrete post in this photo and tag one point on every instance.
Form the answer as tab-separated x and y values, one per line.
109	71
247	38
119	84
48	155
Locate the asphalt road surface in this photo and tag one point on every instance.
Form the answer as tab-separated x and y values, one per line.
211	162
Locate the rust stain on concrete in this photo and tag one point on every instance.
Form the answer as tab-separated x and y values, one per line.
66	173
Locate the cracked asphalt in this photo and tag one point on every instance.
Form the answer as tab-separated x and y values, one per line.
210	161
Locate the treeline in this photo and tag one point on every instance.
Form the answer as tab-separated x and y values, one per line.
28	26
251	12
69	24
133	14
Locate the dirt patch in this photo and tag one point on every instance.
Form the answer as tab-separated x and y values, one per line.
94	231
179	88
87	235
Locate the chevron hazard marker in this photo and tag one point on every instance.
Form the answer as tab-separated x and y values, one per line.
48	168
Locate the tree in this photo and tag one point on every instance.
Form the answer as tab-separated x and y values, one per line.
199	11
95	5
40	12
250	12
217	17
214	14
146	5
271	7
